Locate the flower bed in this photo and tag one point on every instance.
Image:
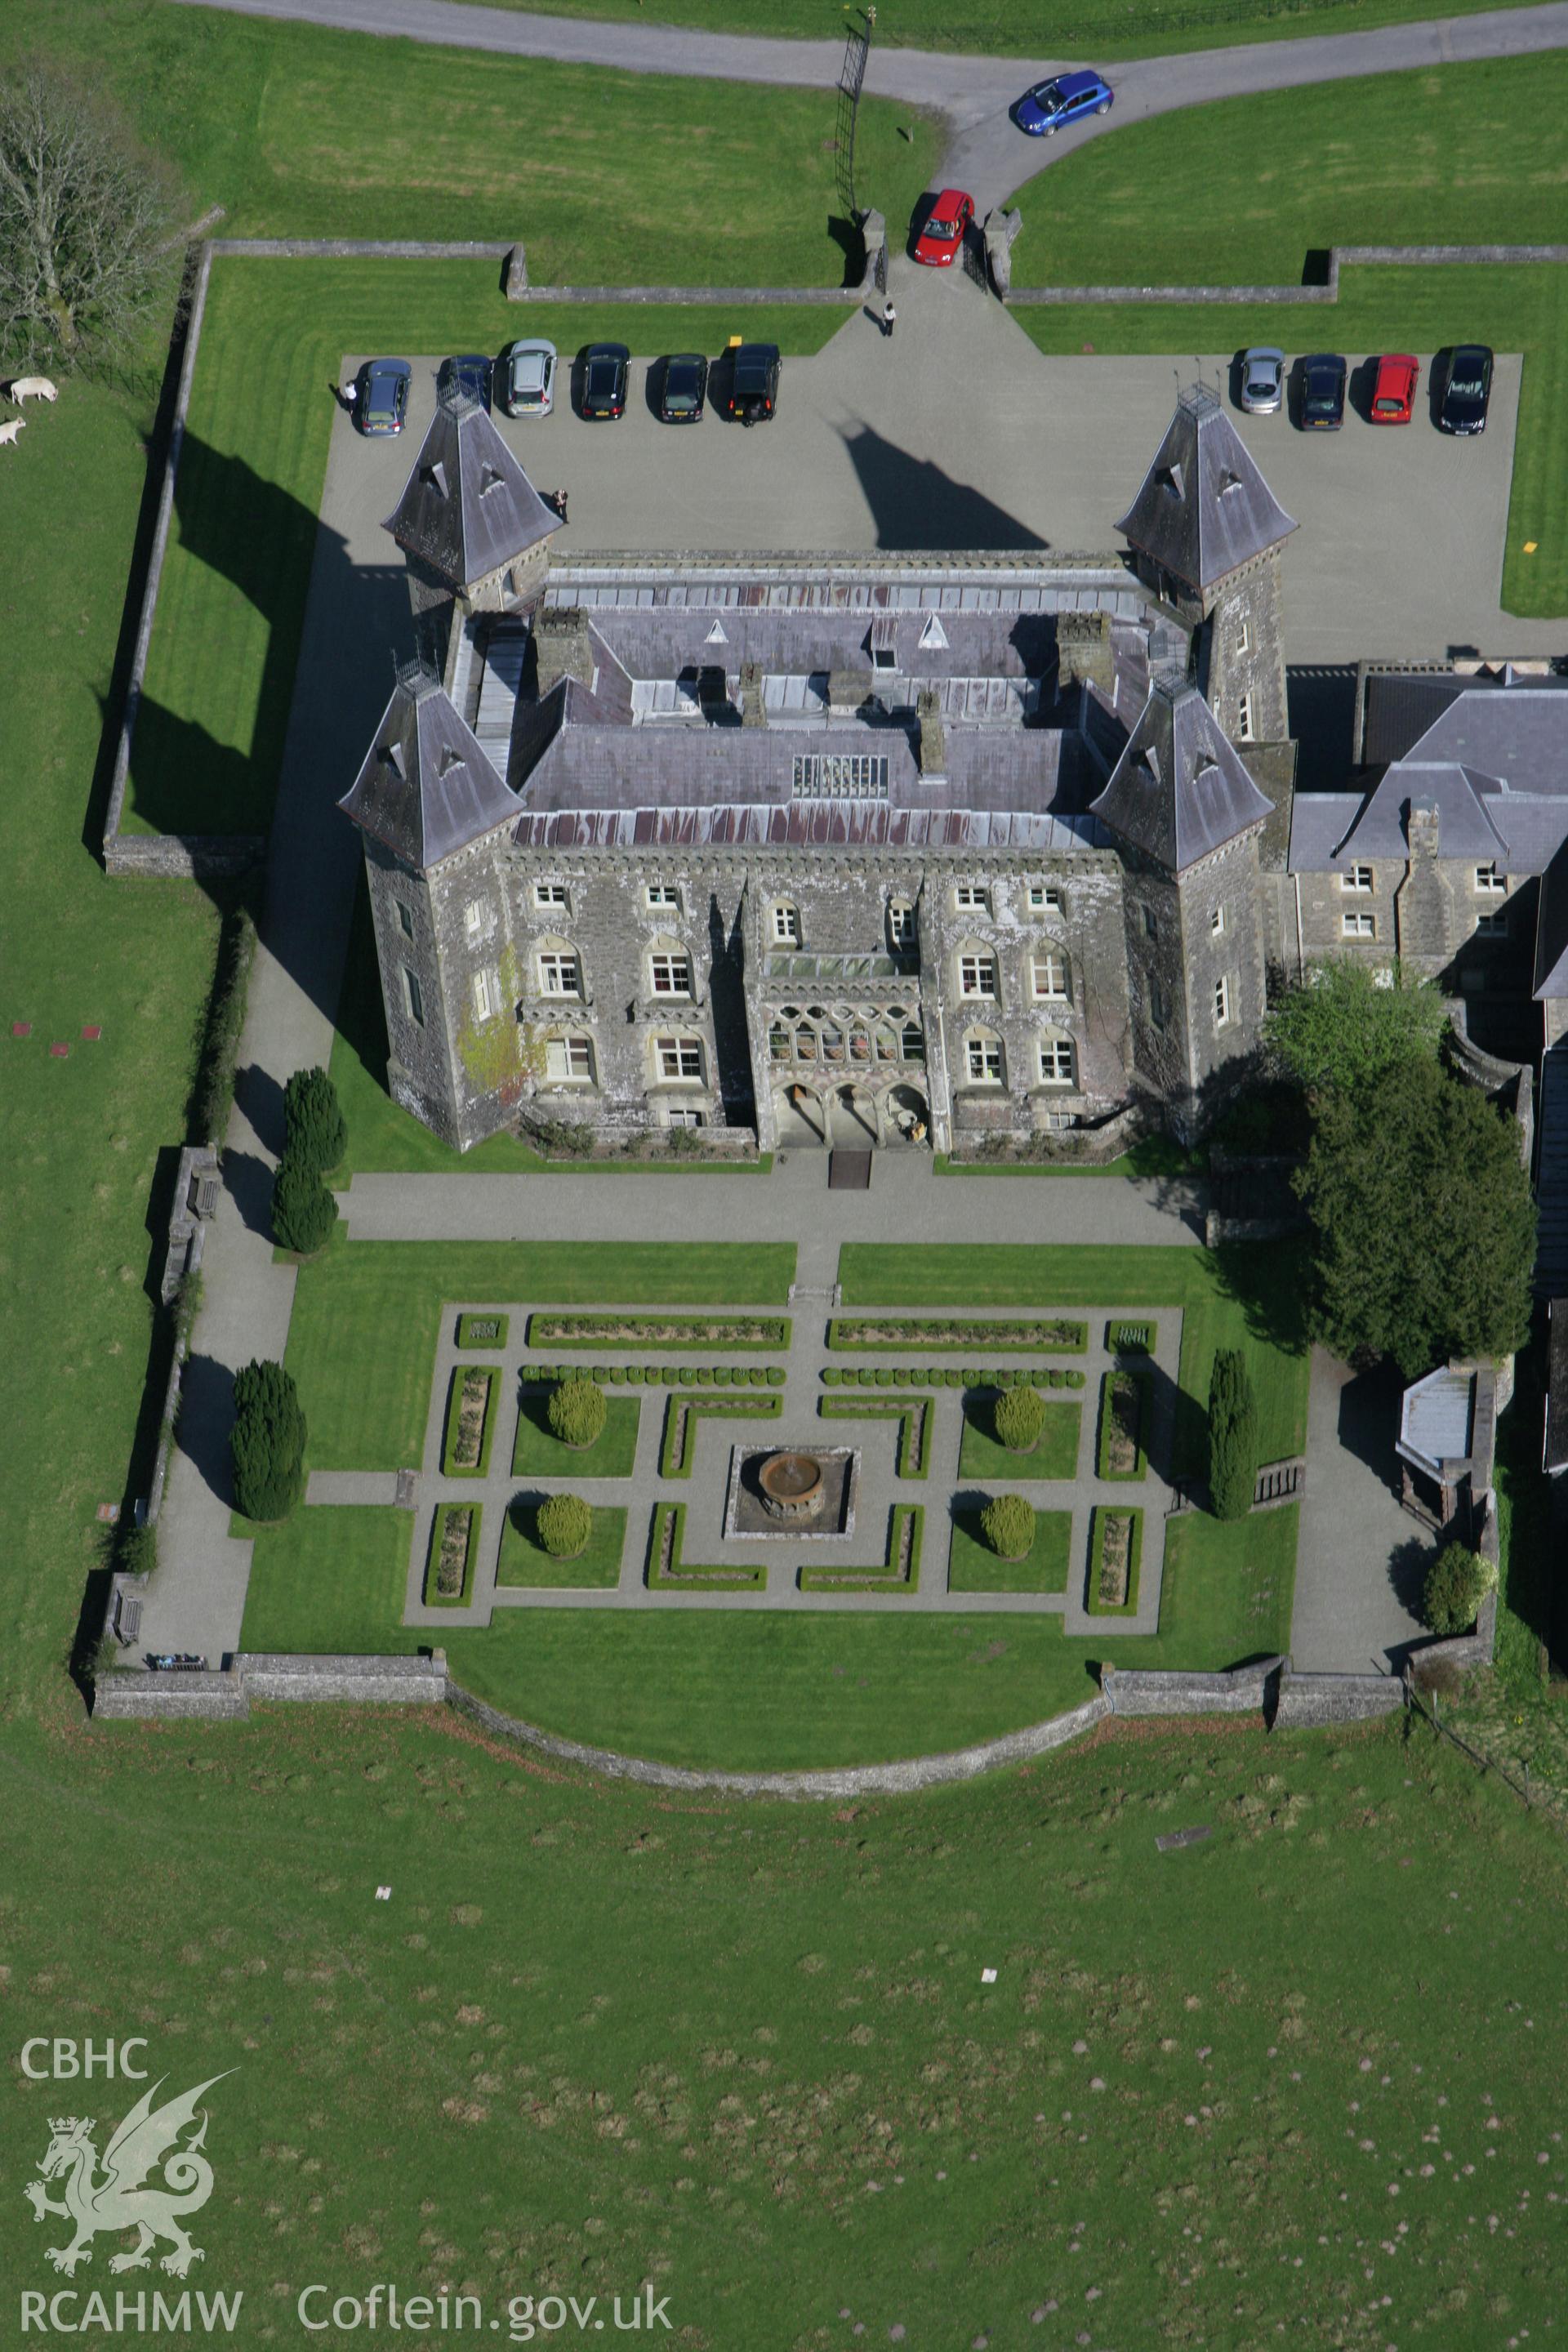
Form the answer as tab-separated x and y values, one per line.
470	1422
728	1332
934	1376
1125	1397
484	1331
667	1572
1129	1338
454	1548
899	1573
1113	1550
1033	1333
914	1420
681	1417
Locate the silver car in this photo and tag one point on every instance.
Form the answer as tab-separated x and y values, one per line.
1262	380
525	379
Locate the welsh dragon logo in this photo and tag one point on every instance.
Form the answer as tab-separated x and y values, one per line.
115	2198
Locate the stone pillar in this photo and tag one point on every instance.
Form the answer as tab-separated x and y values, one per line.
516	275
874	237
1001	231
560	646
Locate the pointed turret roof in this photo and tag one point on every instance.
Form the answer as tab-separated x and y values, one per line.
468	508
1205	509
1180	789
426	787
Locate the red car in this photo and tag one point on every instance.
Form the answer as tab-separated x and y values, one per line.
1394	394
940	241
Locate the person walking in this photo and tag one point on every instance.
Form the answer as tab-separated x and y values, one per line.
889	319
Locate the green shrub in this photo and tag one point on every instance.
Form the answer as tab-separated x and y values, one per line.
313	1127
953	1379
214	1091
303	1210
136	1549
266	1443
831	1376
598	1374
1007	1524
1457	1581
704	1376
1018	1417
576	1412
775	1376
757	1376
634	1376
1233	1436
720	1376
564	1523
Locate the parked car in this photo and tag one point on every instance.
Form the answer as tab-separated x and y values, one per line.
381	398
1070	97
525	379
940	241
1323	379
1393	389
1262	380
605	372
684	388
1465	389
755	383
470	373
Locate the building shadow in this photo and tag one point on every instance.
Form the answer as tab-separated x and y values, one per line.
1369	1421
1320	699
914	504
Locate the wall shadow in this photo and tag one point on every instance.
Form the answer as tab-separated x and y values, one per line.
914	504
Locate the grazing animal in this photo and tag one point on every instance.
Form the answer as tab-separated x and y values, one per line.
33	387
8	432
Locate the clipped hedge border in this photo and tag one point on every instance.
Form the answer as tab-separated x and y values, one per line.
897	1576
1142	1380
936	1376
734	1334
667	1572
657	1376
1034	1334
460	1373
1091	1602
482	1330
680	1413
914	1424
1135	1338
458	1599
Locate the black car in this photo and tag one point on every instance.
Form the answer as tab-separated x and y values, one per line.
1466	388
606	369
755	383
469	374
1323	379
684	389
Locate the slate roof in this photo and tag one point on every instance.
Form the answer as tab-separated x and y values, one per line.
1180	789
1493	761
1435	1419
468	508
425	788
1400	706
1203	508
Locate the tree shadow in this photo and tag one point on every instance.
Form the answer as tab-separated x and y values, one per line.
1369	1421
1407	1565
1270	1282
914	504
247	1178
207	1417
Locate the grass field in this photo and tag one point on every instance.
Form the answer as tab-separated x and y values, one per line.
539	1453
974	1567
332	1578
524	1561
982	1455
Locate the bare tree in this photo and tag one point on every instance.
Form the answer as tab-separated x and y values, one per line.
89	244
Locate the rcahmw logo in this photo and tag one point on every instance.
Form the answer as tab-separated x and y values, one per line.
151	2177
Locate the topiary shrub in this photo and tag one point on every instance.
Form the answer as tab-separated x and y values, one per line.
1456	1583
634	1376
1233	1436
576	1414
1007	1524
313	1127
720	1376
266	1443
704	1376
303	1210
563	1523
1018	1418
617	1376
775	1376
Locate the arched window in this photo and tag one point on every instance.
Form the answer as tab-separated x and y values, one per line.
560	968
786	923
1056	1058
1050	979
568	1060
982	1058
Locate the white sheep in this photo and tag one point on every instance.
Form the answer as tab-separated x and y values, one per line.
8	432
32	387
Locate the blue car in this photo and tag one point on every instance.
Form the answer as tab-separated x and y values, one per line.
1070	97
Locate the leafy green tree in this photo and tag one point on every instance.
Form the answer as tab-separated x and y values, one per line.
1007	1524
1456	1583
1233	1435
315	1133
564	1523
576	1412
1423	1221
1340	1030
303	1210
1018	1417
268	1441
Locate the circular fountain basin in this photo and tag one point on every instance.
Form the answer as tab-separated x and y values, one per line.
791	1485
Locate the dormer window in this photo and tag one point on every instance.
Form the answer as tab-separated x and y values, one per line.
786	924
491	478
450	758
435	475
933	636
1152	762
1170	480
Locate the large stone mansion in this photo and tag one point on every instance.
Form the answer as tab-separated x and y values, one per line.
905	849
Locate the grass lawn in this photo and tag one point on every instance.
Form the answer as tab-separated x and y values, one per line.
539	1453
982	1455
1155	1155
524	1561
332	1578
366	1314
974	1567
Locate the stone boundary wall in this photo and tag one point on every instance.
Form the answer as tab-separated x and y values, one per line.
179	1698
1305	1702
1340	257
225	1695
1238	1690
1084	1147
